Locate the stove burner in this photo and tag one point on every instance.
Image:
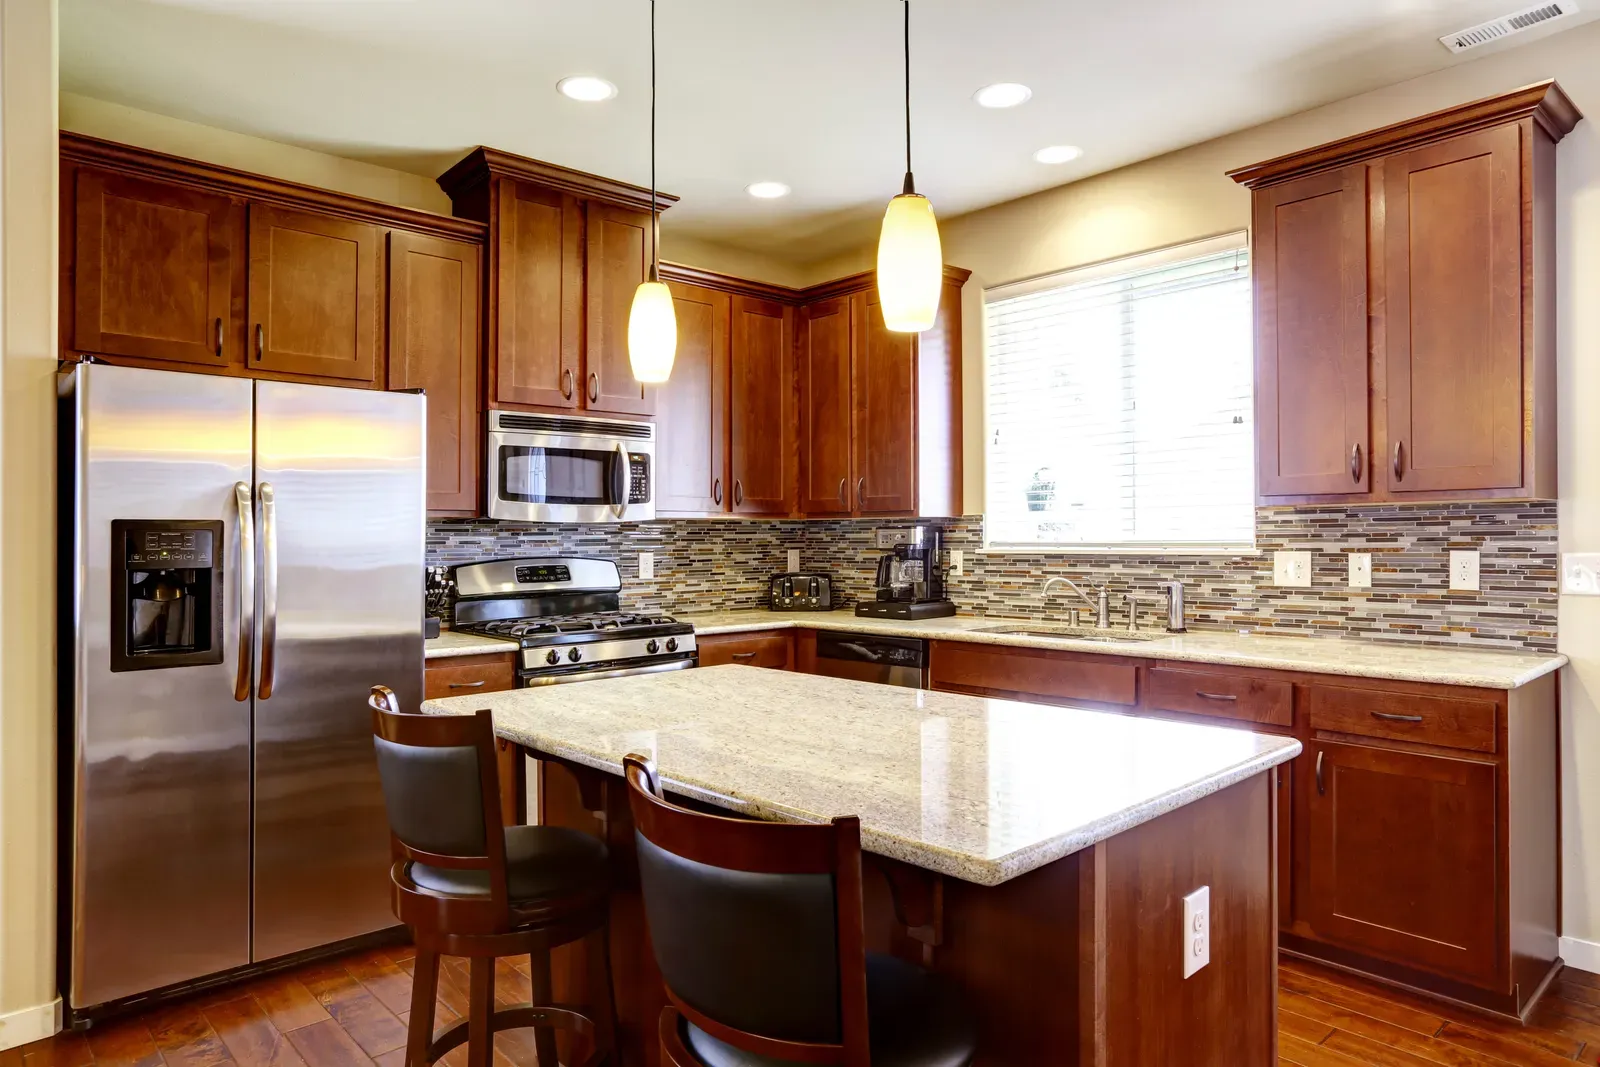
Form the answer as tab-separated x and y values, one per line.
595	622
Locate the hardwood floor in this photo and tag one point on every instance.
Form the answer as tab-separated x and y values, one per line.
352	1012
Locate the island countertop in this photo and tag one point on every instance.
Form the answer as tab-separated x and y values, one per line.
979	789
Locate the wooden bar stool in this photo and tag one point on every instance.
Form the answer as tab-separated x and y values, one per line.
468	885
758	930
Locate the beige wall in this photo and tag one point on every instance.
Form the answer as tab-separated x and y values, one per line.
28	1005
1185	195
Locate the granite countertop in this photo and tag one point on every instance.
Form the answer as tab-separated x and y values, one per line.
449	643
978	789
1320	655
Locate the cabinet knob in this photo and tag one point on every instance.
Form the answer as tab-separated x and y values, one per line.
1397	446
219	336
594	387
861	492
738	492
566	383
261	341
1320	791
843	501
1355	462
716	490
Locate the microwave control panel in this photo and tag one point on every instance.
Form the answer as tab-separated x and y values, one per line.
638	478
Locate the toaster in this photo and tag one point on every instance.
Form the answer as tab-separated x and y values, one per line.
800	591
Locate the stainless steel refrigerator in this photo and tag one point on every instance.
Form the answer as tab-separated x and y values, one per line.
241	561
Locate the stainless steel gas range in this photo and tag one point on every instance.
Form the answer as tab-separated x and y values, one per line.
565	611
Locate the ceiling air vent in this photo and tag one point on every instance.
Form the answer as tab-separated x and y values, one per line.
1497	29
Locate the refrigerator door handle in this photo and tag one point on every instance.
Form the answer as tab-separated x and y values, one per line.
247	588
269	589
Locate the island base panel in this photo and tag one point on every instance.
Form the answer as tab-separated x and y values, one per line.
1076	963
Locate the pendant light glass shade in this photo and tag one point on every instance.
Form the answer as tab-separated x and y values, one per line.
652	333
910	264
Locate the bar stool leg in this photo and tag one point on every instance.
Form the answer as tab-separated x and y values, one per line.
544	1039
424	994
602	998
480	1008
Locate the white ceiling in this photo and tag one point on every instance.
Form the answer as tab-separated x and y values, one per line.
806	92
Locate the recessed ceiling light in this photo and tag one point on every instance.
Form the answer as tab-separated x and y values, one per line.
586	87
767	190
1058	153
1002	94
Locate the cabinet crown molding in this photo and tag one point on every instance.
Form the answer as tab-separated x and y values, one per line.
484	163
1544	102
144	163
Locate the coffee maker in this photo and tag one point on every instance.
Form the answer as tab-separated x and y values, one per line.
910	582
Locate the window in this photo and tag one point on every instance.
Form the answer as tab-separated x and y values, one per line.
1119	404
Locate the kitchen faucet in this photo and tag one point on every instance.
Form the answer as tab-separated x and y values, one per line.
1101	604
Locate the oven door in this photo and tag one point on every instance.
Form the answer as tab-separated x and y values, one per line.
544	477
528	681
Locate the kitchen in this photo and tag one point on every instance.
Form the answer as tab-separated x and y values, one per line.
857	462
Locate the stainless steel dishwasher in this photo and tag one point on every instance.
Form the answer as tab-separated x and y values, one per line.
886	660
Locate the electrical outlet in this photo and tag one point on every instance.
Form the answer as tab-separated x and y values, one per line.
794	560
958	563
1580	573
1291	568
647	566
1360	570
1196	930
1463	571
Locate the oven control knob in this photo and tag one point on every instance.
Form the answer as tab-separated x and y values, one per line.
575	654
672	644
552	657
652	646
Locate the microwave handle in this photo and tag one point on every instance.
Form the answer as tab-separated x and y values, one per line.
621	480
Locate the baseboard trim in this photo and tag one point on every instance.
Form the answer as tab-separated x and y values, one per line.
1584	955
40	1021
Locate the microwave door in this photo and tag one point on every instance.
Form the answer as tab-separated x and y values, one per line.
552	478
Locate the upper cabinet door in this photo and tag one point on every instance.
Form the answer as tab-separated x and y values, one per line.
1453	240
618	256
884	441
824	353
1311	335
313	307
153	271
692	408
761	407
539	297
433	346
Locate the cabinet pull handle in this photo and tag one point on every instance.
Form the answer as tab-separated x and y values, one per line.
594	387
844	501
466	685
1389	716
1397	474
743	656
1320	790
566	383
219	336
1231	698
1355	462
261	341
738	492
716	490
861	492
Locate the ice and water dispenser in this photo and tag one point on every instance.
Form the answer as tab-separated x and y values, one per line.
166	593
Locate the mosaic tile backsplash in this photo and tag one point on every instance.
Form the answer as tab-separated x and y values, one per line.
706	565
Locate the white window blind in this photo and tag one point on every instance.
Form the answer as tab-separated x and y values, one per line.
1119	404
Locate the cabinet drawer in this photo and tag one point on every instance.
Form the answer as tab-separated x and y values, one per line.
464	676
772	648
1054	677
1452	722
1229	696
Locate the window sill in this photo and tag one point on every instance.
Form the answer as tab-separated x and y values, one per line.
1119	550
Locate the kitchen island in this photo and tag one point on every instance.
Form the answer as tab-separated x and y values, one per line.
1038	856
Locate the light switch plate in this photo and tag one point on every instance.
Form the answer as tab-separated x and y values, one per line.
1360	570
1580	573
794	560
1196	930
1463	571
647	565
1292	568
958	563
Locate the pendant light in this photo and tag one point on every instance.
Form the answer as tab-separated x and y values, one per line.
652	323
910	261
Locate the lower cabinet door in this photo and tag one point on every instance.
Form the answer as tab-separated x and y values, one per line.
1403	858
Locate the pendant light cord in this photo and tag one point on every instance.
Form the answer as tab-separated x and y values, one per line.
910	187
655	215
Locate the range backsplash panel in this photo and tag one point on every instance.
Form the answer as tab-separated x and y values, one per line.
706	565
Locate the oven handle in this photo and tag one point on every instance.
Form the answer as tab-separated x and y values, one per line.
594	676
620	483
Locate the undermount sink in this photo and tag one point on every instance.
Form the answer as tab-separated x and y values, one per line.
1076	633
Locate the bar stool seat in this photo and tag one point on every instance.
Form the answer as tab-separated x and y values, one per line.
541	862
916	1020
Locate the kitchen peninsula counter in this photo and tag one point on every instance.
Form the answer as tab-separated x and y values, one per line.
1037	855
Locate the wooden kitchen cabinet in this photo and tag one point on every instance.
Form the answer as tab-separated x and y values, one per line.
883	389
768	648
313	294
538	281
761	399
459	676
824	370
434	291
692	408
1405	308
618	248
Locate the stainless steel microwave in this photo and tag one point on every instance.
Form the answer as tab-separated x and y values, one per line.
570	468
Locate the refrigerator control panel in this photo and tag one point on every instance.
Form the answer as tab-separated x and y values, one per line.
152	549
166	594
